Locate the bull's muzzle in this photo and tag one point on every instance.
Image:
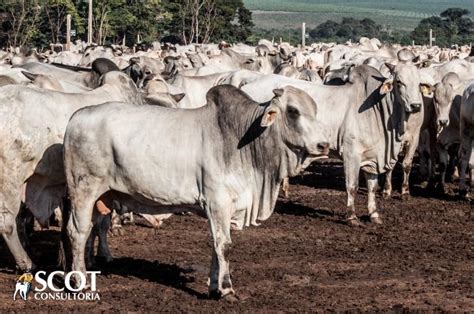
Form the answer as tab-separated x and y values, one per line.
323	148
443	122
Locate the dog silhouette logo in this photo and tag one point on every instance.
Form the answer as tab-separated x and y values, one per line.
23	286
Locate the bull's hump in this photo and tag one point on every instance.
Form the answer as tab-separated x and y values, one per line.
228	95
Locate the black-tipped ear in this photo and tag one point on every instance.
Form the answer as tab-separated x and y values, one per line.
278	92
178	97
29	75
390	66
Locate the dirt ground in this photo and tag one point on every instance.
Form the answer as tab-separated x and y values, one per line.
303	258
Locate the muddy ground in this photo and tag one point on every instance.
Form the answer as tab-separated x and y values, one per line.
303	258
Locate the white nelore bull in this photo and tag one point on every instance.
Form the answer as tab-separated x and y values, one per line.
32	126
225	161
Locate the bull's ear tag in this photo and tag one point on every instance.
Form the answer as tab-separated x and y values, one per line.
427	90
386	87
269	116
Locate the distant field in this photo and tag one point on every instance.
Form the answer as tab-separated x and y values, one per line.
397	14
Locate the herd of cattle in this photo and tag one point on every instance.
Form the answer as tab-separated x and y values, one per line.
216	130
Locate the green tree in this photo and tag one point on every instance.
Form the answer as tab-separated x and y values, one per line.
451	27
19	20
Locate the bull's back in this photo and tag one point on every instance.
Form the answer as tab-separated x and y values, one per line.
153	152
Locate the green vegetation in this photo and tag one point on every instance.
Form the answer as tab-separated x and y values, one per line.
40	22
452	27
397	15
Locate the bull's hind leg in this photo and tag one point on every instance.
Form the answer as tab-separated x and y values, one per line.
372	184
407	165
14	235
443	165
103	224
219	221
80	223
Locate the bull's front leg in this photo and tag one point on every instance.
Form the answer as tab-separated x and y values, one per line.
387	188
443	165
220	282
372	184
406	165
351	172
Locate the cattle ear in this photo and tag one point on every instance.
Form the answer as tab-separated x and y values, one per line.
178	97
29	75
278	92
269	116
386	87
427	90
390	66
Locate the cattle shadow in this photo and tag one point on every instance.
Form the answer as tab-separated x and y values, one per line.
322	175
44	251
297	209
170	275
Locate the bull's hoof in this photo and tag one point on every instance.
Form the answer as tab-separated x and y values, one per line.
406	196
116	232
386	195
105	258
354	222
217	295
440	189
463	193
230	297
376	220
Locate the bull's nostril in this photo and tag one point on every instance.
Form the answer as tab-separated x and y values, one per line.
443	122
323	146
415	107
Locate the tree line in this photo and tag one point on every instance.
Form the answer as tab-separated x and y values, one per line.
41	22
452	26
38	23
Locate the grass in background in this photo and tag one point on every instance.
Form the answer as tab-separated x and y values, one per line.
395	14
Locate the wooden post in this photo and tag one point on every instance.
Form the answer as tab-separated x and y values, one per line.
124	42
303	35
432	39
89	24
68	32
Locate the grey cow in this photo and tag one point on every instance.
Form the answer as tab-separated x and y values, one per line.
366	120
225	161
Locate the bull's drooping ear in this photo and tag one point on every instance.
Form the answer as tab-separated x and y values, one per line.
178	97
390	66
427	90
278	92
29	75
269	116
386	87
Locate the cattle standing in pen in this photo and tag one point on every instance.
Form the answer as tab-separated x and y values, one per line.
226	162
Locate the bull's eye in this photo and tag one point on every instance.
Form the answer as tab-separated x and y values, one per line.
293	112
